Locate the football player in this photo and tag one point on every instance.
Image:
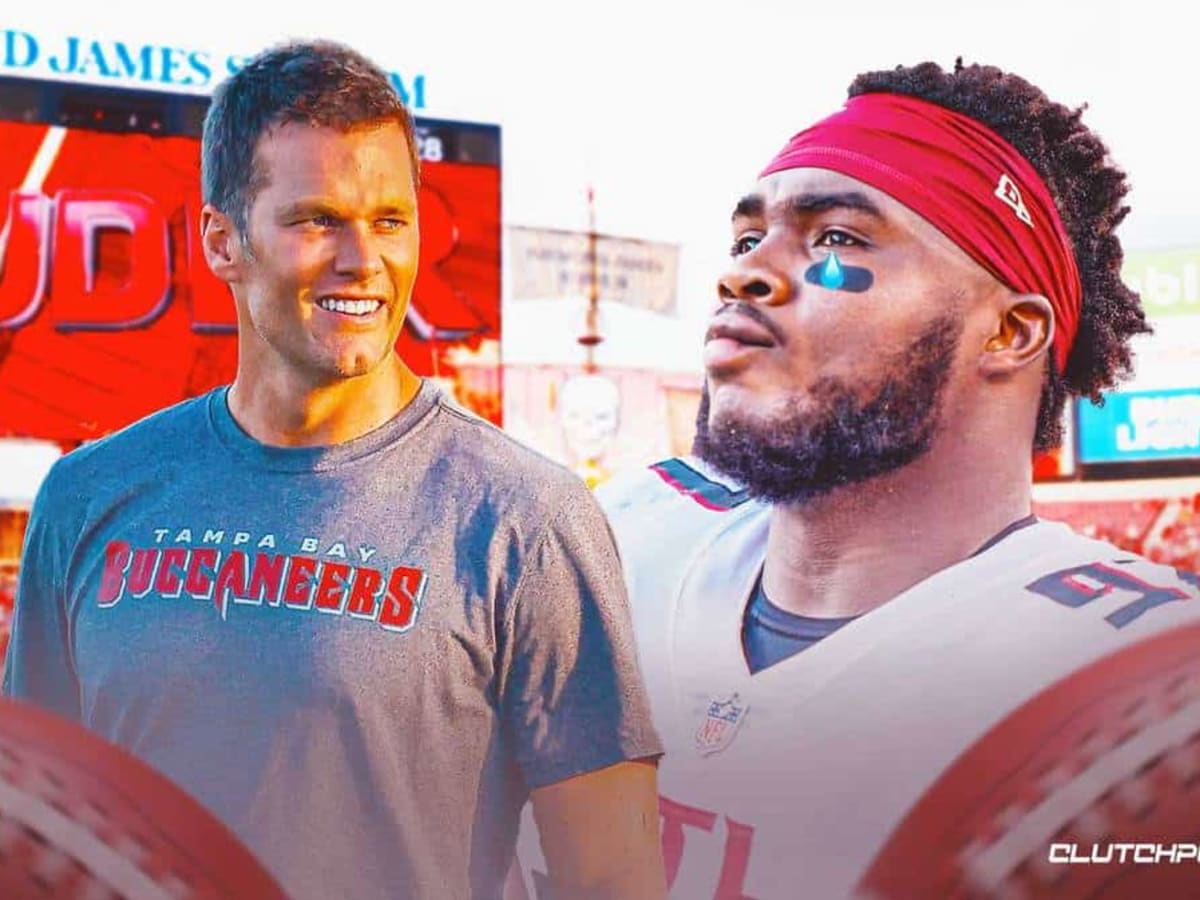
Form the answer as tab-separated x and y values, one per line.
847	587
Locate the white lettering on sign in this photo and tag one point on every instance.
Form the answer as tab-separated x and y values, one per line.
1161	423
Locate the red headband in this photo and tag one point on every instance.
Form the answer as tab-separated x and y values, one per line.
962	178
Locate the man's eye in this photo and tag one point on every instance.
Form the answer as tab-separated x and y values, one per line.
744	244
835	237
391	223
323	221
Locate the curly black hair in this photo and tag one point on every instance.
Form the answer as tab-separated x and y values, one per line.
1088	191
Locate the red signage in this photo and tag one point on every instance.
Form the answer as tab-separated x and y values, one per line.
109	312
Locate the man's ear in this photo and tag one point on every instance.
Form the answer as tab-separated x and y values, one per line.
222	243
1023	333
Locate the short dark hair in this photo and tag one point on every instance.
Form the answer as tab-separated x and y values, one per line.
1088	191
319	83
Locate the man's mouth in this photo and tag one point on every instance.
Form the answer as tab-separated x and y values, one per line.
735	338
349	307
740	330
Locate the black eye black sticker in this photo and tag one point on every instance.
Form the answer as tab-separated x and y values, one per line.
832	274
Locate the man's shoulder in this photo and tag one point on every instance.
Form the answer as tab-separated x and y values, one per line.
475	449
664	514
1085	585
680	487
1054	547
154	437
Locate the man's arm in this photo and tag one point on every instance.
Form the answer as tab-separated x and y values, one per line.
576	711
39	667
599	833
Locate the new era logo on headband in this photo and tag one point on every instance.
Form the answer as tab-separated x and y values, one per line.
1006	190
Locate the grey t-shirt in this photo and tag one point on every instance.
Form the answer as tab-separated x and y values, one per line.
360	657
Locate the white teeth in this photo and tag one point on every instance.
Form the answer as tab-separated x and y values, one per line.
349	307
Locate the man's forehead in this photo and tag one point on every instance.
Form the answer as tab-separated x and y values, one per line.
791	194
784	189
306	157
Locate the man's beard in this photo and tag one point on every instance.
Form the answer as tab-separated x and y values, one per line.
832	438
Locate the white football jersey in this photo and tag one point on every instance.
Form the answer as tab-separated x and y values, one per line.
787	782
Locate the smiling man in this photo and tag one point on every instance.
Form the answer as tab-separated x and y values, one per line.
852	588
359	623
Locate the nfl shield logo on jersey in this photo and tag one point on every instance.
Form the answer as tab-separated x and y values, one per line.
721	722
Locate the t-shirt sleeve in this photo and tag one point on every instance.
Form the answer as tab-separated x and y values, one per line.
573	697
39	666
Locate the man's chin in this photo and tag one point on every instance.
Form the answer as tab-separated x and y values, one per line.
805	446
355	362
736	405
800	456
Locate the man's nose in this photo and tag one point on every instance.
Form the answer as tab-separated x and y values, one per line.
754	283
358	252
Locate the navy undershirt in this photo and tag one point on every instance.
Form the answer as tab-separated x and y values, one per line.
771	634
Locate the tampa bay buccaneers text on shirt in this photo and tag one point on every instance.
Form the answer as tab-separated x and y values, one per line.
227	566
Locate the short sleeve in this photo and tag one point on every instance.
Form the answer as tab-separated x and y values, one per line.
572	694
39	667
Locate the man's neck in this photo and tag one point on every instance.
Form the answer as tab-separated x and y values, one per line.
281	410
858	547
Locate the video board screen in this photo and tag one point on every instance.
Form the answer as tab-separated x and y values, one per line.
1141	426
107	308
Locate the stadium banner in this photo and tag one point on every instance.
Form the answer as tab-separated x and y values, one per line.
546	263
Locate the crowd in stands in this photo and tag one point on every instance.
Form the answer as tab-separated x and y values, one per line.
1163	530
